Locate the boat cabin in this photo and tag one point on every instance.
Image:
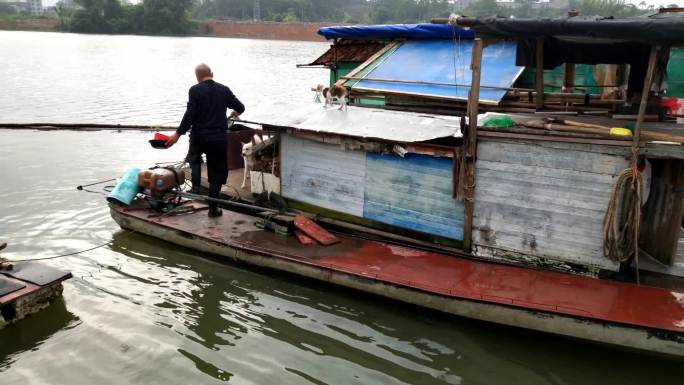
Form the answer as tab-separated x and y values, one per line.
543	174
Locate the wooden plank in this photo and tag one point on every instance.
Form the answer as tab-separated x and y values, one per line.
323	175
470	142
413	192
303	238
368	62
662	215
537	154
539	74
313	230
607	142
549	202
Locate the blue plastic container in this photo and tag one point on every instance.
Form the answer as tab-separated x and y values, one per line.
126	189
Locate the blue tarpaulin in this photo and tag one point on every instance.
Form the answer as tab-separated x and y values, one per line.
441	68
395	31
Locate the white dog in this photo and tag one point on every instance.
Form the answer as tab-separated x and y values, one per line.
249	156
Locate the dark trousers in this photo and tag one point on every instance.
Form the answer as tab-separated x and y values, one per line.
215	147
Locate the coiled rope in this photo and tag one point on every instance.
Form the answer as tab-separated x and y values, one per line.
621	224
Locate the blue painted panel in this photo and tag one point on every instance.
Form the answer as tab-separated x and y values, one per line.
445	61
414	192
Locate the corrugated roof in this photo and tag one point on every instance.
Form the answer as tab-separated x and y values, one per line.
396	126
349	51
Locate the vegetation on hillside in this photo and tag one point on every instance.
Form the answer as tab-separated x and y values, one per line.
156	17
179	17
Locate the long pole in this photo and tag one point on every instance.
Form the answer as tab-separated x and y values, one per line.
539	75
84	126
471	143
644	99
227	202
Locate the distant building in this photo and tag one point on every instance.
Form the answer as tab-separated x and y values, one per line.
32	7
35	7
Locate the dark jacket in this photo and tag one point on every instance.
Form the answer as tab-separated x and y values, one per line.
208	102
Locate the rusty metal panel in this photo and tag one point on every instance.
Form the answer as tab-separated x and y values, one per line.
413	192
324	175
545	199
349	51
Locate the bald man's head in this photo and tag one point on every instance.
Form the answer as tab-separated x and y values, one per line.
203	72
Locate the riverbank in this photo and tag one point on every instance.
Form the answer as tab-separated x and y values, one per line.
305	31
46	24
302	31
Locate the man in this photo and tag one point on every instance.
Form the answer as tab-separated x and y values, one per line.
205	118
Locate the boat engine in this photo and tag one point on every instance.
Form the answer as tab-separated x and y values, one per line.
156	183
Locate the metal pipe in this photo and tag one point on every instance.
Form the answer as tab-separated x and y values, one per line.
432	83
227	202
84	126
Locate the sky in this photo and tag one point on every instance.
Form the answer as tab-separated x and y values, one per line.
653	2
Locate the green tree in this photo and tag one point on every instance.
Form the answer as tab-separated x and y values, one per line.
608	8
64	14
484	8
167	16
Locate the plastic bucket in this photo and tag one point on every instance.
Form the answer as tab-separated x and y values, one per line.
126	189
160	136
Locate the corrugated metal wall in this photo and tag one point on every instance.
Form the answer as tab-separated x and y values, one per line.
414	192
545	198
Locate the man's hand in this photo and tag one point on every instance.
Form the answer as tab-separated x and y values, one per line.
234	114
172	140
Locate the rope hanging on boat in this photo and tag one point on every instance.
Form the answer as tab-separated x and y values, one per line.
620	235
621	225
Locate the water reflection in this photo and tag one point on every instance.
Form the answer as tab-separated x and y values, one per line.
230	315
31	332
252	325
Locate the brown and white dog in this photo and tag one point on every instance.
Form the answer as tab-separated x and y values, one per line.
331	93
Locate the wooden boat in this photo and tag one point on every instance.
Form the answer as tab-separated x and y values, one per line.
502	224
616	313
26	288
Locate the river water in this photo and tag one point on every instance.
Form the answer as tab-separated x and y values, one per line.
141	311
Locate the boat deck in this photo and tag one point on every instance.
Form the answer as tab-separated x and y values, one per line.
27	288
438	274
231	189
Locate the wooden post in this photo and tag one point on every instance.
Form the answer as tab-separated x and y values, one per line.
470	143
568	78
644	97
539	78
569	68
